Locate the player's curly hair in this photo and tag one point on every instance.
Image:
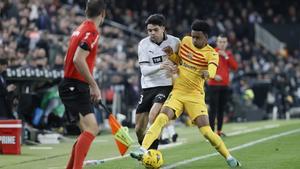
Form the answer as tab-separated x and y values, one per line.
156	19
201	25
94	8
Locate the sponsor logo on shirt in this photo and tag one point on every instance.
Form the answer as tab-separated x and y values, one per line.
157	59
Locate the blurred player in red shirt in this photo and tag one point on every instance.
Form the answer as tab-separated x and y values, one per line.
79	90
218	87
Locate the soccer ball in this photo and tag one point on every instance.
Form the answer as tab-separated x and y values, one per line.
152	159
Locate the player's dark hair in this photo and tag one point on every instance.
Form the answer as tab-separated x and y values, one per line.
156	19
222	35
94	8
200	25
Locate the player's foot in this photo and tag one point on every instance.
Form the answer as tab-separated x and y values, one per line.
138	154
164	141
233	162
221	134
174	137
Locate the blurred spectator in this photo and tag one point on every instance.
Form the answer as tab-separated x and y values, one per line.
5	102
34	33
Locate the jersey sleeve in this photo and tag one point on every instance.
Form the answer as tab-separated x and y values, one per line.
213	62
142	55
89	40
175	56
213	58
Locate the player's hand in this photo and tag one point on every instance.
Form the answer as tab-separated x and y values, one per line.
169	66
218	78
95	93
204	74
224	54
168	50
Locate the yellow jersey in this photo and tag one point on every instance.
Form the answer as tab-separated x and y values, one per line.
191	61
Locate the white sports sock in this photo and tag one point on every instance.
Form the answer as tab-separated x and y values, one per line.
171	130
165	133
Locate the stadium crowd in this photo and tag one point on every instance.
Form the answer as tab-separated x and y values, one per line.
34	34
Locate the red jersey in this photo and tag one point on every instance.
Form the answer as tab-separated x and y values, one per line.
225	65
86	33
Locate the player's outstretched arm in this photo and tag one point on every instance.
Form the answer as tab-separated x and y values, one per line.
79	61
171	55
210	73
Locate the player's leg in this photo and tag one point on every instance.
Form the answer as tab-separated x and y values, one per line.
171	106
195	106
166	131
154	111
141	122
213	105
153	132
167	113
171	131
155	129
160	97
75	96
223	99
142	113
203	124
161	94
90	129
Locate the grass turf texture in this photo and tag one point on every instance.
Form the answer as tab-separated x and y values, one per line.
278	153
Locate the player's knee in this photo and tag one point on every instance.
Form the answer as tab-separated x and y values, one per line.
139	131
94	129
151	119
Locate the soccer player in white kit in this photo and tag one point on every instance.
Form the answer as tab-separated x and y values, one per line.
156	76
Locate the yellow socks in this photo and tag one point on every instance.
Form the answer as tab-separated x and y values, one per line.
155	130
215	140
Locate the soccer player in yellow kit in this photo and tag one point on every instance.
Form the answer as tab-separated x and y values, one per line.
197	61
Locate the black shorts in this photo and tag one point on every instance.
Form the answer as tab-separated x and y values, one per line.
153	95
76	98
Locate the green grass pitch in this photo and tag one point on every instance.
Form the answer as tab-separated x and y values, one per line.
258	145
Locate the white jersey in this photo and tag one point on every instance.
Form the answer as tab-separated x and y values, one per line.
151	56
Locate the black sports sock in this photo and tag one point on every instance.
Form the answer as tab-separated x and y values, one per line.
154	145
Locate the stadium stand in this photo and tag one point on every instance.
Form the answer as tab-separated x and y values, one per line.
33	34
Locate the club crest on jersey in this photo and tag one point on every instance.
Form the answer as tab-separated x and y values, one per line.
190	56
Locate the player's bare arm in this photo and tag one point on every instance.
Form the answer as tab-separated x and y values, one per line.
82	67
169	66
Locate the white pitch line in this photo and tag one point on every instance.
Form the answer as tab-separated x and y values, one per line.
232	149
40	148
100	141
160	147
184	141
242	131
252	130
